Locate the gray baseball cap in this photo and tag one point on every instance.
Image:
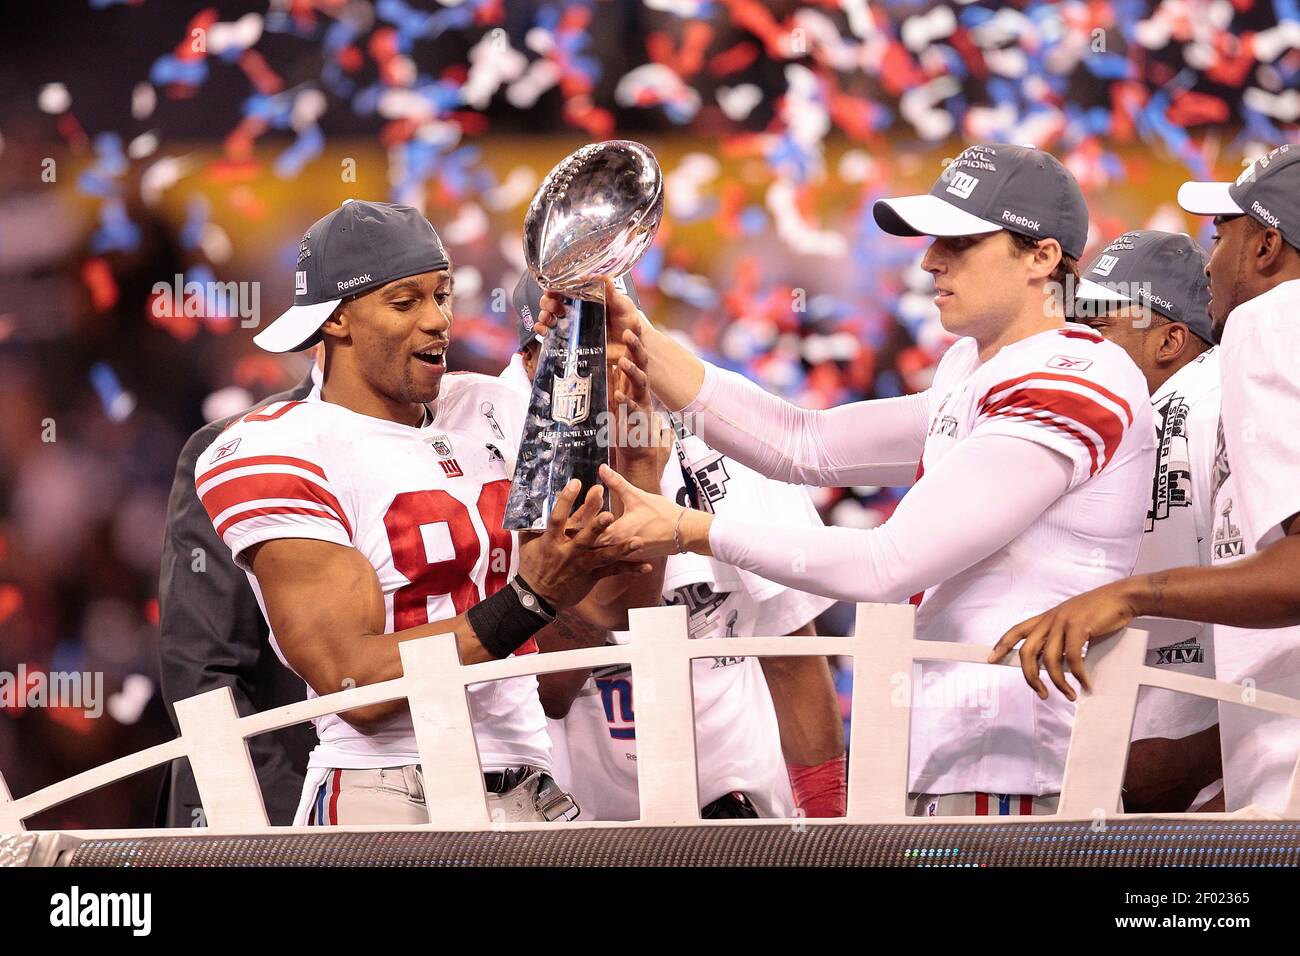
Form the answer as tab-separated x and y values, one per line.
995	186
1164	271
358	247
1268	191
527	303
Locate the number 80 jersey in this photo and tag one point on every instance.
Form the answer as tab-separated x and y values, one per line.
423	505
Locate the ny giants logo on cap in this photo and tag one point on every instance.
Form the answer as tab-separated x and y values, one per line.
1105	264
300	283
962	185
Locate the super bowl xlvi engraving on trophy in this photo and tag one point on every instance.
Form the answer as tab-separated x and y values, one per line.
594	215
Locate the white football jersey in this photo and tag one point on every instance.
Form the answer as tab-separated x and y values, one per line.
738	745
1177	535
423	505
1257	488
981	728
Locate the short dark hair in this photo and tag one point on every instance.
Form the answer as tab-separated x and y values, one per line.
1068	266
1065	276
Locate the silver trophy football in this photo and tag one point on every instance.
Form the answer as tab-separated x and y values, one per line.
594	215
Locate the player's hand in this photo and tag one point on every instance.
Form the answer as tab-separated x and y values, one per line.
564	562
1057	638
621	315
647	520
644	440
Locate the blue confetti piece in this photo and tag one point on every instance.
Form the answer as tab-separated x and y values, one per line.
116	401
309	144
169	69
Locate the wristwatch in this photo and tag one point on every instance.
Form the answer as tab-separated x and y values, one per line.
531	601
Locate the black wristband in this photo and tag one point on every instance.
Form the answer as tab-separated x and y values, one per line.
530	596
502	623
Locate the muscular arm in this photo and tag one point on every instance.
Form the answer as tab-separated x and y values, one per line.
326	609
807	709
569	632
1262	590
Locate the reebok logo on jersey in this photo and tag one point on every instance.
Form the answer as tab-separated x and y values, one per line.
226	450
1264	214
1023	221
962	185
1105	264
358	280
1069	362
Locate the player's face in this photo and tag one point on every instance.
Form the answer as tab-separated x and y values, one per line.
399	335
1227	267
975	279
1130	328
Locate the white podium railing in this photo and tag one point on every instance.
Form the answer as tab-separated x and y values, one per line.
214	738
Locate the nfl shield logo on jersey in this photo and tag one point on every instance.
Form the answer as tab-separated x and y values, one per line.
442	445
570	396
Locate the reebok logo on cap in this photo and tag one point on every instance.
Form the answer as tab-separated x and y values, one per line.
352	283
1264	214
1023	221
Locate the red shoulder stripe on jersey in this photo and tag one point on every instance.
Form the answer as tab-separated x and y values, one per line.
1059	425
277	510
1058	377
1080	334
260	460
1067	405
245	488
272	416
1077	408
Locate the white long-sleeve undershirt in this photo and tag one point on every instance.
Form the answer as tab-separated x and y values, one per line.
864	443
974	501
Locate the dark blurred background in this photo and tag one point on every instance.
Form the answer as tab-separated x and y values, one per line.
142	141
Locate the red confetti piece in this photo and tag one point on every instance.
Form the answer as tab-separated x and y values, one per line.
246	202
1191	109
73	718
202	21
259	73
471	124
98	278
733	59
11	601
171	318
72	132
1236	59
256	370
489	13
351	59
151	611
